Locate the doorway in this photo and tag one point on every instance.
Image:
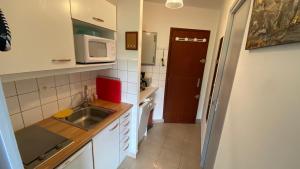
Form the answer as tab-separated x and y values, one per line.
186	62
224	80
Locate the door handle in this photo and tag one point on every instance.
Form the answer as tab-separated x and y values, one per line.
202	60
197	96
198	83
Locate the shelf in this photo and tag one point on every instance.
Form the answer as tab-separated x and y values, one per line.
75	69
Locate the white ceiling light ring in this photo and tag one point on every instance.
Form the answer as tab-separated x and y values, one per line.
174	4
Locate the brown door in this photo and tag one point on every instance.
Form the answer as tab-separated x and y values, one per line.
185	69
214	78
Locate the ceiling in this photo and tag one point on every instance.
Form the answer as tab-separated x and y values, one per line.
211	4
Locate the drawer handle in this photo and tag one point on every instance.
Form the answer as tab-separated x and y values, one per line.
126	141
126	148
126	116
112	129
126	132
125	125
61	60
98	19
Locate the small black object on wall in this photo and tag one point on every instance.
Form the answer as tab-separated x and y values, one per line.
5	37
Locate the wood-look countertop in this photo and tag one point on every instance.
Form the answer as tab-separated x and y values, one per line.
79	136
147	92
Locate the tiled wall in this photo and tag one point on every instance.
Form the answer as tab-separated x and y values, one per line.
32	100
158	74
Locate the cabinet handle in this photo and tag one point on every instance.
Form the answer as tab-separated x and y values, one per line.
126	141
126	125
126	132
126	148
61	60
112	129
98	19
126	116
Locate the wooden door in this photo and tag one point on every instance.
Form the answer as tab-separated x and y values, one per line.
186	61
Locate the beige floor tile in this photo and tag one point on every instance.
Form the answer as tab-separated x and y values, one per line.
168	146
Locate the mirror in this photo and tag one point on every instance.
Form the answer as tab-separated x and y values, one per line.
149	48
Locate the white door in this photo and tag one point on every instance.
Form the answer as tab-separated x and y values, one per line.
106	147
82	159
224	80
42	36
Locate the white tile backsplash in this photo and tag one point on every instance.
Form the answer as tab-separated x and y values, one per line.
122	74
29	101
50	109
48	95
17	121
61	80
75	88
85	76
63	91
132	65
64	103
122	64
32	100
46	82
9	89
133	77
32	116
132	88
75	77
26	86
76	99
13	105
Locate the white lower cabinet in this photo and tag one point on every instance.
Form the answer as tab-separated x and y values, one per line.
124	135
106	147
82	159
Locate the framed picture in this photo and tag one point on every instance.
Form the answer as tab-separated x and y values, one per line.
131	40
274	22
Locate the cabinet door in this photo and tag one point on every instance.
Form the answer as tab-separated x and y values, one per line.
96	12
106	147
42	36
82	159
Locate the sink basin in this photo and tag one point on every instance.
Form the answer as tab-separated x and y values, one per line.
87	118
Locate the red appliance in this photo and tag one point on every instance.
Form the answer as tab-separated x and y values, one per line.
108	89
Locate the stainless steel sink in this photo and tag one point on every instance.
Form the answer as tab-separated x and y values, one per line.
87	118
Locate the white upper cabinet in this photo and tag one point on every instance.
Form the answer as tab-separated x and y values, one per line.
97	12
42	36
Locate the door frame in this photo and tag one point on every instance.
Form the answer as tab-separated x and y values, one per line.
168	67
209	151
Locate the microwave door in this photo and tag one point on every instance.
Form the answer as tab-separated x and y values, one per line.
97	50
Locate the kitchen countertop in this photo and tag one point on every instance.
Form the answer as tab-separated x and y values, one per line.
146	93
79	136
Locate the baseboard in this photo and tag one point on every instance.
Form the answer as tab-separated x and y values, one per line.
132	155
158	121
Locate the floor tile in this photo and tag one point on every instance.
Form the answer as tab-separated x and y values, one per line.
168	146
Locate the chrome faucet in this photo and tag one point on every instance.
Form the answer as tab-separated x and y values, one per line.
85	101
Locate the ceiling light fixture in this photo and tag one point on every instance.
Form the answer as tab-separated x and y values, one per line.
174	4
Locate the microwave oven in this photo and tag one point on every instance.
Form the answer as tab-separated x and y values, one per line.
92	49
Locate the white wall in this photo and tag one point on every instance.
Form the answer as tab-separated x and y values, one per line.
262	126
159	19
129	18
